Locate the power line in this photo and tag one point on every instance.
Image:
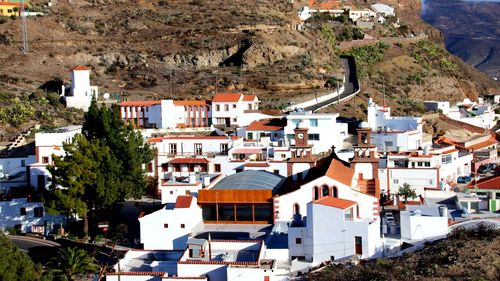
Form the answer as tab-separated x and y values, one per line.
24	29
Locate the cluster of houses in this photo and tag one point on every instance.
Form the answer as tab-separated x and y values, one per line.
363	18
250	196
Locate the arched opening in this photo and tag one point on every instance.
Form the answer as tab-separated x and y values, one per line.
296	209
325	191
335	192
316	193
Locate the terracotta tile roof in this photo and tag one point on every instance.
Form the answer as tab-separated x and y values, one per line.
249	97
486	183
267	125
139	273
159	139
80	67
335	202
140	102
489	142
247	150
450	151
183	201
189	161
227	97
340	172
255	164
189	102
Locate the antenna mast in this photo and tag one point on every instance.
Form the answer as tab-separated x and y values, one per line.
24	29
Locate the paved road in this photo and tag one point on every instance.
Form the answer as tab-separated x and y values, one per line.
351	85
39	249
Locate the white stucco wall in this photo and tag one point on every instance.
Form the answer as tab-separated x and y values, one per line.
414	227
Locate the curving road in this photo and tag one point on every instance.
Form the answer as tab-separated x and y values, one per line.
39	249
351	85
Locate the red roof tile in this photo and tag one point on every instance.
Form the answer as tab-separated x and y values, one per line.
335	202
138	273
486	183
340	172
249	97
189	102
183	201
140	102
227	97
267	125
189	161
489	142
80	67
255	164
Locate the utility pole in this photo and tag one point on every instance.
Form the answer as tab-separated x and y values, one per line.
383	94
24	29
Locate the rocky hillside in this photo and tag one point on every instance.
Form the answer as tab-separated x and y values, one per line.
190	48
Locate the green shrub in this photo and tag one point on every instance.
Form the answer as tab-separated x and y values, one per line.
53	98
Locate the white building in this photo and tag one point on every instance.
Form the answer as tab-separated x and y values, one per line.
383	9
393	133
14	171
169	227
435	168
333	229
472	113
443	106
48	144
167	114
324	130
307	12
81	92
28	217
420	222
354	15
235	109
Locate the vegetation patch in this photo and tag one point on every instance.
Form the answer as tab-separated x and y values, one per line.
367	56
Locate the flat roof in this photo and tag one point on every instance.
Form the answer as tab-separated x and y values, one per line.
251	180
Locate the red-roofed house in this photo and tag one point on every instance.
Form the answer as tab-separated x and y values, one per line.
169	227
81	92
230	109
333	229
491	188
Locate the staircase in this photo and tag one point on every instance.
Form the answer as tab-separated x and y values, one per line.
367	187
18	141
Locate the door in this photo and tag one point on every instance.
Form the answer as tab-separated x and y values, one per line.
358	245
41	182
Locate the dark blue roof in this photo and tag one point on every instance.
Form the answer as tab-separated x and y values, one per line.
251	180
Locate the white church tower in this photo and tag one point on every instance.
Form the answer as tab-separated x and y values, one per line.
81	92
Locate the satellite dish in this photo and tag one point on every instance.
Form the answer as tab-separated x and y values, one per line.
106	96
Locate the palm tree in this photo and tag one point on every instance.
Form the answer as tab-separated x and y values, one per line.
70	263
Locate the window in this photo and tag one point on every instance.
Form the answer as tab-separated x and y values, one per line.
298	241
396	181
165	225
427	164
325	191
400	163
388	144
171	192
431	182
250	106
234	105
235	119
250	136
172	148
226	107
313	122
348	214
290	136
23	163
38	212
149	167
420	164
217	107
183	225
217	168
188	192
198	148
295	122
313	137
413	164
45	159
223	149
446	159
277	172
22	211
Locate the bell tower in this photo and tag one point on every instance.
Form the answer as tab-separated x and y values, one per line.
365	162
301	153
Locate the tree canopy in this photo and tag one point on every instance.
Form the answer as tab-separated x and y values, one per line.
71	264
100	168
406	191
15	264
